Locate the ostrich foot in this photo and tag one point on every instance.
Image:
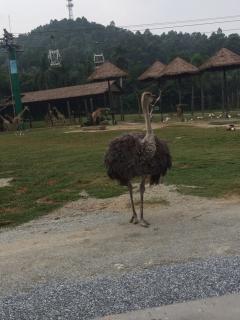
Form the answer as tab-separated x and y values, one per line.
144	223
134	220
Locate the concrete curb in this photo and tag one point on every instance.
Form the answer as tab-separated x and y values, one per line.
220	308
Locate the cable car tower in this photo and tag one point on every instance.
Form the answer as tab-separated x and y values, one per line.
70	8
8	43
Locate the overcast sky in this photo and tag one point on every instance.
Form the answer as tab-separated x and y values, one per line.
28	14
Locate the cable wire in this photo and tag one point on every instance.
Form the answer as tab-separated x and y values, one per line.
164	25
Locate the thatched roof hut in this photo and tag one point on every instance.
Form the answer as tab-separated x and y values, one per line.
153	72
179	68
72	92
223	59
107	71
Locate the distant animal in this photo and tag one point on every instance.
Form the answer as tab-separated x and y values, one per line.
16	123
18	120
6	123
60	116
50	117
211	115
9	118
138	155
97	114
231	127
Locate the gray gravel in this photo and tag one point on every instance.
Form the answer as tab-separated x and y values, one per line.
137	290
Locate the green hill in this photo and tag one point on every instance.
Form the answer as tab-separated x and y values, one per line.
78	40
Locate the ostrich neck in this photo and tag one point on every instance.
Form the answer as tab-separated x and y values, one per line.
149	139
149	130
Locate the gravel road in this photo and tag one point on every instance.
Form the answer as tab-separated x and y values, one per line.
136	290
85	259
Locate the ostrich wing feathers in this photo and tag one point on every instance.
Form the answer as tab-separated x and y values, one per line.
126	158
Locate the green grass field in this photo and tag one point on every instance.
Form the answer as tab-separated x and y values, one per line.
50	167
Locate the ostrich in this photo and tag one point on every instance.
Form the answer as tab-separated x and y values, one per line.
59	115
6	123
97	114
138	155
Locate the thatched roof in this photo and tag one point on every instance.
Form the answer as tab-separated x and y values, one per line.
223	59
107	71
64	93
179	68
152	72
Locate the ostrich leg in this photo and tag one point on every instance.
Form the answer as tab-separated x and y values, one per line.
134	218
143	222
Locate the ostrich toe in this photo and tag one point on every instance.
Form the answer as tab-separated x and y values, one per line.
134	220
144	223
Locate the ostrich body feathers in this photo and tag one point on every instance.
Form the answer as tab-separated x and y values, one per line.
129	156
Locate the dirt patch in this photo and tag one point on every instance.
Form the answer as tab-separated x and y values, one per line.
141	126
22	190
9	210
205	124
231	198
52	182
46	200
119	127
5	182
92	237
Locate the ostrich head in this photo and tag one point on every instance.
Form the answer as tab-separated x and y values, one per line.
146	101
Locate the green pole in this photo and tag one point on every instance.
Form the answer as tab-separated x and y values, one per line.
15	80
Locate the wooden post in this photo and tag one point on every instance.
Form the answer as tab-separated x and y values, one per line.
109	94
121	107
225	102
193	97
223	95
139	104
50	114
160	105
79	110
232	101
179	91
86	106
105	100
202	95
91	104
160	99
69	110
238	99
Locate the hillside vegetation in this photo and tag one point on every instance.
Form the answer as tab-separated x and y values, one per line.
78	40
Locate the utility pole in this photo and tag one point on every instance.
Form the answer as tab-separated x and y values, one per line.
8	43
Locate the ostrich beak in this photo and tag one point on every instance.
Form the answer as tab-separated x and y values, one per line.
151	110
157	99
153	104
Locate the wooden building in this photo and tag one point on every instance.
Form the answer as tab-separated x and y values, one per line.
75	100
